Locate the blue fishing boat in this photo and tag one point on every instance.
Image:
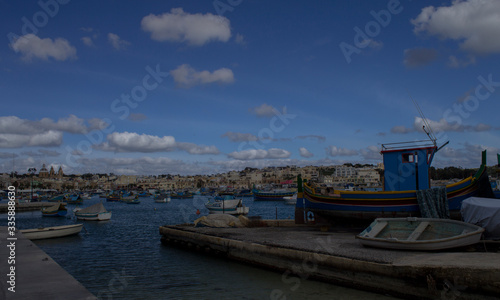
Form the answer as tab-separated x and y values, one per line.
406	182
74	199
58	198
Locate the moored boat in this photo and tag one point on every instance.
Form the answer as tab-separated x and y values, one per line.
406	178
422	234
291	200
51	232
227	205
275	195
58	198
74	199
56	210
96	212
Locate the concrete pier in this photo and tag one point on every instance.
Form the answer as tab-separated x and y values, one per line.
336	256
29	206
36	275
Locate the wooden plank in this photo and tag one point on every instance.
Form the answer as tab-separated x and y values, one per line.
377	229
418	231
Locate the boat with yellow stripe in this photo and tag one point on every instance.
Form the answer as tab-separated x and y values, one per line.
406	172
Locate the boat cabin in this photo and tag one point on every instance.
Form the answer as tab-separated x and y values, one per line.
406	165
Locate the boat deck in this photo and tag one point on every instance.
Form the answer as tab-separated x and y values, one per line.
336	256
29	206
37	275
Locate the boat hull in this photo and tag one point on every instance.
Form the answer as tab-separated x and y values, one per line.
263	196
52	232
420	234
370	205
94	217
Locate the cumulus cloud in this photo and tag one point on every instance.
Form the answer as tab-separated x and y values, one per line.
193	29
145	143
338	151
117	42
260	154
134	142
50	138
31	46
185	76
305	153
419	57
473	23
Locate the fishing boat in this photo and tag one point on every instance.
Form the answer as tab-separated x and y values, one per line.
131	199
422	234
56	210
58	198
406	182
96	212
51	232
74	199
274	195
162	198
244	193
227	205
182	195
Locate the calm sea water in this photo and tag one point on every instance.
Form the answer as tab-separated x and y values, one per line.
124	259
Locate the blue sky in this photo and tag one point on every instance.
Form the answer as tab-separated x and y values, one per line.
204	87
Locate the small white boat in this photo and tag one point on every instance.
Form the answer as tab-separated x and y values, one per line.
291	200
419	234
96	212
51	232
227	206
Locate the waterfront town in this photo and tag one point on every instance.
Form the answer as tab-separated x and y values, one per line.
340	175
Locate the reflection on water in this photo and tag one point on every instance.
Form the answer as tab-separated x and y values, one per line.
124	259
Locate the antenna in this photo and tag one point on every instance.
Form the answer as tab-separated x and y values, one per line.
427	131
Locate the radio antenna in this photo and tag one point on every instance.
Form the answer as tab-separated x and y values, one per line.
427	130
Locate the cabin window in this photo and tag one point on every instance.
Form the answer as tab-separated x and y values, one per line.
429	156
408	157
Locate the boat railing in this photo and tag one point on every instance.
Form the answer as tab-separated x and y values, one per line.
407	145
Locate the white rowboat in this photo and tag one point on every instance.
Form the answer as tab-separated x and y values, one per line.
51	232
419	234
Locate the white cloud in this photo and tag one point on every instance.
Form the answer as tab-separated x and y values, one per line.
475	23
46	139
240	137
305	153
117	42
87	41
260	154
193	29
264	110
31	46
186	76
337	151
134	142
197	149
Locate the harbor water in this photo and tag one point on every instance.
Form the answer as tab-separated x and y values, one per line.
124	259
